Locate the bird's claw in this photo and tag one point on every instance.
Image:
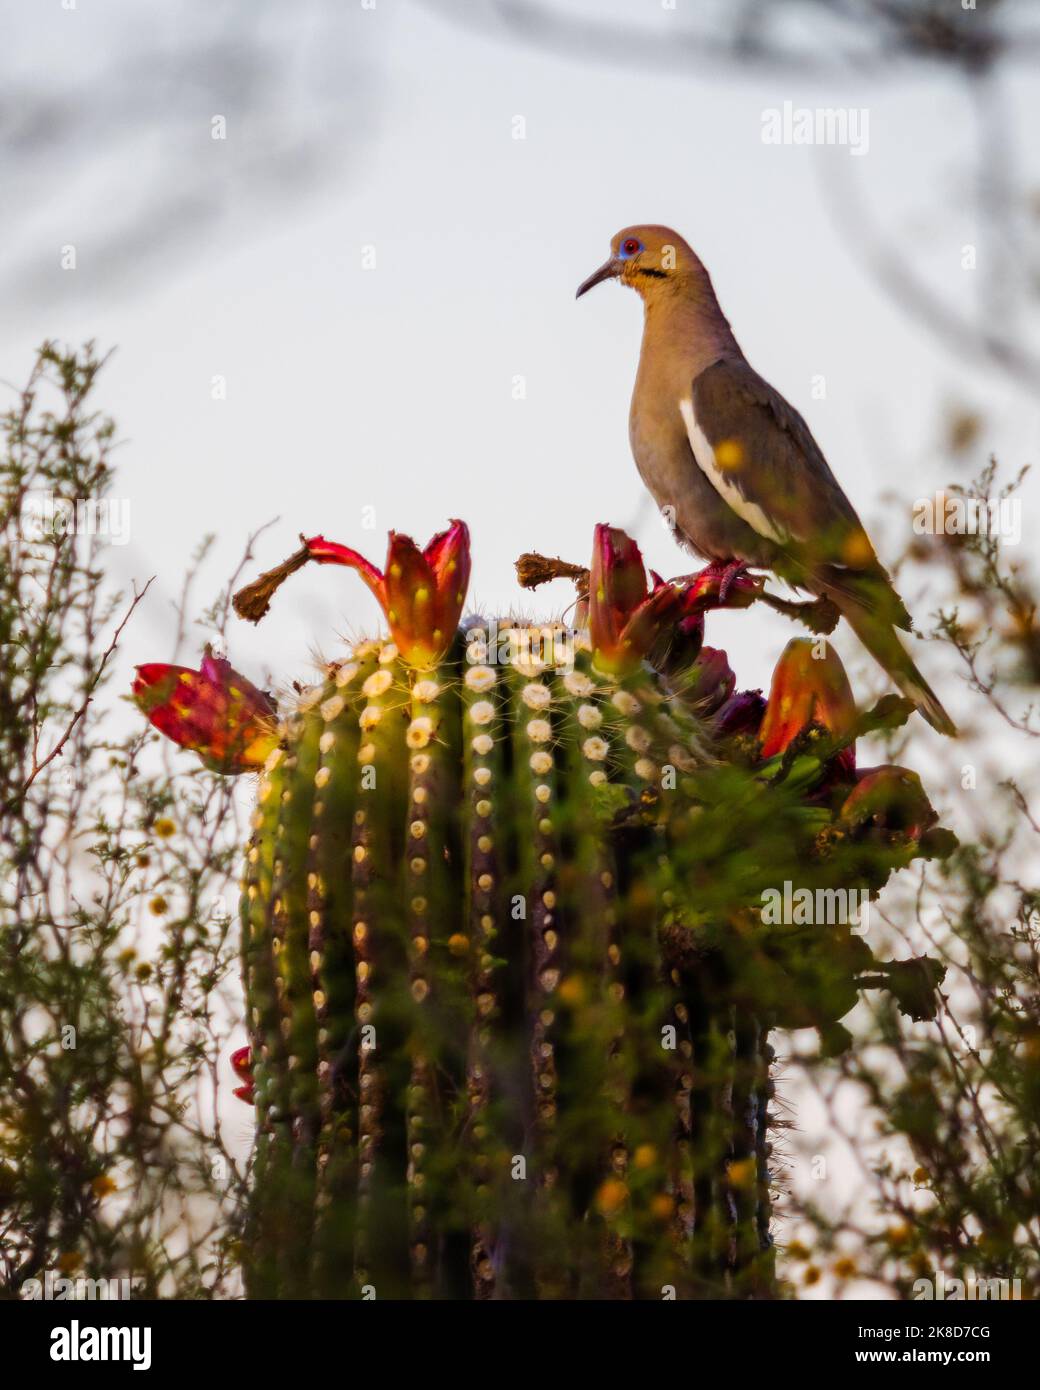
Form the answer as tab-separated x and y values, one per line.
730	574
727	572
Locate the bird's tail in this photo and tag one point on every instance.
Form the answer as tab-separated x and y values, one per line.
882	642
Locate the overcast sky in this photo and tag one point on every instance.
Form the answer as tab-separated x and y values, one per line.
390	131
393	387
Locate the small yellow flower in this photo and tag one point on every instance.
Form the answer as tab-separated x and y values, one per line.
458	944
797	1251
164	828
158	905
645	1156
103	1186
662	1206
921	1176
811	1276
742	1174
729	454
857	550
611	1197
572	990
844	1268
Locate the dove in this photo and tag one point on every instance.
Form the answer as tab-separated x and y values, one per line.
735	467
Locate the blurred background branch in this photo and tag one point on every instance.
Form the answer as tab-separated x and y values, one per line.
135	135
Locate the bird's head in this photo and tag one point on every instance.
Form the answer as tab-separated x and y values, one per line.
652	260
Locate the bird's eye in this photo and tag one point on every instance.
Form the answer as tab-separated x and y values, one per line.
630	247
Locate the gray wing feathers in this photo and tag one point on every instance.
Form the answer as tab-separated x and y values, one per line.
771	459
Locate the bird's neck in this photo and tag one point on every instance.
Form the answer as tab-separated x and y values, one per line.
685	333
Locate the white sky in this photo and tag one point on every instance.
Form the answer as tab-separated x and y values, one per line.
392	388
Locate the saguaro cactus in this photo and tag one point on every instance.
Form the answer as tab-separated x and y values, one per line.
508	975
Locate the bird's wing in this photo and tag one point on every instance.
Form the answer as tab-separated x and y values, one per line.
760	456
764	462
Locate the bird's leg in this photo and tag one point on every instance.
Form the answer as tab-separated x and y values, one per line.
731	572
819	615
727	572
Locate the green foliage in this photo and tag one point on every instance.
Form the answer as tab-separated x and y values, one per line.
117	990
949	1175
112	959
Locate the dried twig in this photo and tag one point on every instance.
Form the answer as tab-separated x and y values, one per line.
253	601
533	569
38	764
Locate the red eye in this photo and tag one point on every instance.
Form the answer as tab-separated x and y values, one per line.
631	246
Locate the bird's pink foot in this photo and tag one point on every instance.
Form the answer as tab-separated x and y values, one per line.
727	572
735	570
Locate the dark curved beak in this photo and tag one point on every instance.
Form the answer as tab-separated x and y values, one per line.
609	270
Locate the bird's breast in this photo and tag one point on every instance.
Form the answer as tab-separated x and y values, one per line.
664	455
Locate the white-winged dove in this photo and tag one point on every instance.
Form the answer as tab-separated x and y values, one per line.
745	482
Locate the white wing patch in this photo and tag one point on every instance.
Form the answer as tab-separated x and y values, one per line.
731	494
